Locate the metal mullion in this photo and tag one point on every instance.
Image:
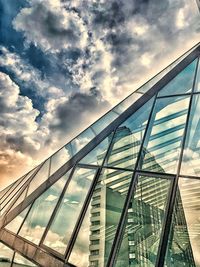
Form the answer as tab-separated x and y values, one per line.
156	174
88	199
174	95
13	257
25	218
118	169
50	161
57	206
85	165
132	187
172	194
189	176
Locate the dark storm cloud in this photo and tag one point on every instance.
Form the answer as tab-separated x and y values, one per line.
78	108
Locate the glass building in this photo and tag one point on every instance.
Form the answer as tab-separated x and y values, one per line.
123	193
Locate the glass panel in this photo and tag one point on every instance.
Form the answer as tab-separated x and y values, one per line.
184	240
96	235
67	214
82	140
39	178
191	156
60	158
197	83
96	156
127	102
5	190
182	83
128	138
39	215
20	261
144	223
15	224
6	256
103	122
161	74
15	202
16	188
164	137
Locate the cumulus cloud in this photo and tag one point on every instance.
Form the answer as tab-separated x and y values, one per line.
17	124
50	26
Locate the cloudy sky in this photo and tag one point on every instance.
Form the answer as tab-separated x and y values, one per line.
63	63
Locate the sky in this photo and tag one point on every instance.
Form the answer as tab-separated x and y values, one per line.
63	64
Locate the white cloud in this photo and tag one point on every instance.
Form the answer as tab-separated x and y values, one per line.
48	25
17	124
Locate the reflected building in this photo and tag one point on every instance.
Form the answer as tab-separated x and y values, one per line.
125	192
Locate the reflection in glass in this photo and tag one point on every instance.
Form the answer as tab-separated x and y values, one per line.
82	140
191	155
184	240
128	138
94	241
197	82
20	261
39	215
15	224
6	256
39	177
96	156
60	158
15	190
17	201
144	221
127	102
182	83
103	122
164	136
67	214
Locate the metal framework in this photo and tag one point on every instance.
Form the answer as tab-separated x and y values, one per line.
41	254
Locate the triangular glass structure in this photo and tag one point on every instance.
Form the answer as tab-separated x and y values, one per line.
125	192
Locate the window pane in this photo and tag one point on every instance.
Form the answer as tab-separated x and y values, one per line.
191	156
39	178
6	256
103	122
164	137
126	103
63	224
184	240
40	212
82	140
60	158
96	156
144	223
20	261
128	138
15	202
96	235
15	224
15	190
182	83
197	83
